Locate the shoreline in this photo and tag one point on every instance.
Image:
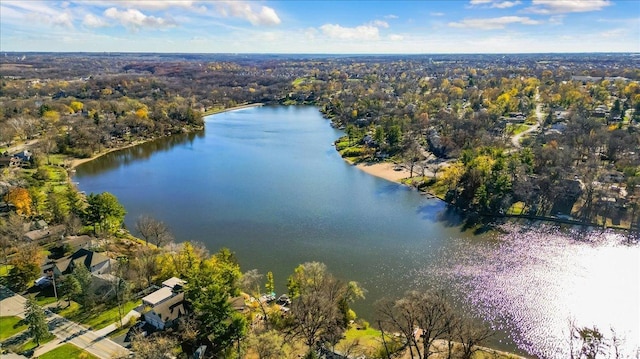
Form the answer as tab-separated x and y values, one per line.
235	108
387	171
384	170
75	162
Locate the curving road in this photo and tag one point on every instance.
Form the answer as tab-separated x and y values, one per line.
515	140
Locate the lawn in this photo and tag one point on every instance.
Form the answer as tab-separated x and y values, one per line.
67	351
515	129
98	318
44	296
109	316
69	311
31	344
367	339
10	326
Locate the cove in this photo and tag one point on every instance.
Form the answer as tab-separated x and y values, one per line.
267	183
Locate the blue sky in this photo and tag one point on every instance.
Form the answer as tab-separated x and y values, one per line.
236	26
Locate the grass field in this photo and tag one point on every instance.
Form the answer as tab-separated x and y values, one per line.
98	318
10	326
67	351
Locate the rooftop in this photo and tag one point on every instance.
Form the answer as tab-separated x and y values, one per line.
158	296
173	281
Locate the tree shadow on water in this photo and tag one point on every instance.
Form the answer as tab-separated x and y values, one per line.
389	188
450	216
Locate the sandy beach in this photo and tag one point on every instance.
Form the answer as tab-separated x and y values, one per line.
384	170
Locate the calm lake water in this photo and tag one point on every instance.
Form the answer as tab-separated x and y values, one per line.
267	183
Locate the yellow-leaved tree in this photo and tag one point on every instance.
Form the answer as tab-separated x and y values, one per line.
76	106
21	199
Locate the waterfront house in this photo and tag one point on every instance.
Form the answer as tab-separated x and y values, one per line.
165	314
166	304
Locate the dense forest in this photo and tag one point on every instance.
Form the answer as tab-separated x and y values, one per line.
541	136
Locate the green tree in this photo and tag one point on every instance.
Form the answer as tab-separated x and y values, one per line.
394	136
270	286
36	320
210	284
70	287
57	207
104	211
86	295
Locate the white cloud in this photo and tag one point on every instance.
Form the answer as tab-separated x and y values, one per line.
379	23
91	20
614	33
493	23
38	12
64	19
395	37
135	19
498	4
436	13
363	32
556	19
145	4
310	33
391	16
244	10
566	6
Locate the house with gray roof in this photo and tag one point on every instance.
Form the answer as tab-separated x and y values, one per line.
96	263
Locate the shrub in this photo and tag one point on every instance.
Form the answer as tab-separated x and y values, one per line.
353	152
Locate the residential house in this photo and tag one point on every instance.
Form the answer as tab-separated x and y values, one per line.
95	262
24	158
166	304
47	232
165	314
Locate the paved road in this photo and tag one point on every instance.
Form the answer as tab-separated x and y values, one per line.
515	140
11	304
66	331
88	340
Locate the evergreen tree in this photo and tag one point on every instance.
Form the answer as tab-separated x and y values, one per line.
36	320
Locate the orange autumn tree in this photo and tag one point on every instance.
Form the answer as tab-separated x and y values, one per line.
21	199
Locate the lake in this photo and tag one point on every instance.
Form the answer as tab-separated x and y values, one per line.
267	183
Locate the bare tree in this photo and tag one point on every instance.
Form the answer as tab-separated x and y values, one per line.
318	306
471	335
146	264
11	232
250	283
153	231
421	318
268	345
152	347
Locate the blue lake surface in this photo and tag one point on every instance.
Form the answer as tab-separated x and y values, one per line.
268	184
